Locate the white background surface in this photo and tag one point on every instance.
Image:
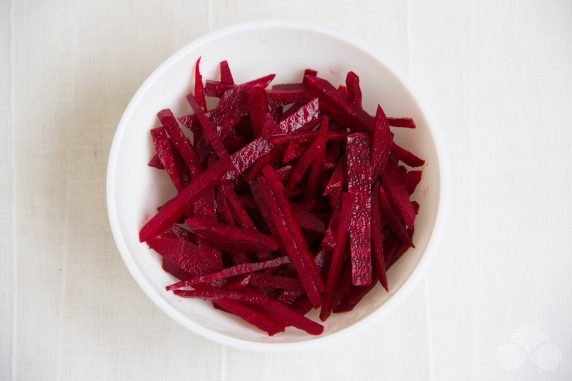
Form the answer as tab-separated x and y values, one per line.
495	305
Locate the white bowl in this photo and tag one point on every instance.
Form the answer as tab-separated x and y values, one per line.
134	190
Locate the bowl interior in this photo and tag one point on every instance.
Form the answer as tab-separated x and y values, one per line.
137	189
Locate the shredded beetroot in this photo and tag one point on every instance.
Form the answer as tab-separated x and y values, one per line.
405	156
155	162
240	215
342	233
199	89
359	184
293	152
354	91
401	122
381	146
165	156
275	281
282	223
398	195
288	199
303	119
216	294
225	73
247	156
377	238
217	89
176	207
188	257
208	128
242	268
181	143
230	237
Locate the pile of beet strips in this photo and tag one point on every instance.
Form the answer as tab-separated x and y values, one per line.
288	199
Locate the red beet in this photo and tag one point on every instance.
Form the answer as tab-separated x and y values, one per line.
398	195
205	208
354	91
165	156
390	218
281	223
247	156
338	106
338	254
218	89
251	315
405	156
317	166
381	145
304	119
155	162
230	237
401	122
283	97
208	128
359	185
314	151
187	256
199	89
182	144
217	294
275	281
307	220
225	73
344	169
412	179
377	238
175	208
242	268
293	152
242	218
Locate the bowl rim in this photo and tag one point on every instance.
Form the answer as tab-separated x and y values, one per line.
319	341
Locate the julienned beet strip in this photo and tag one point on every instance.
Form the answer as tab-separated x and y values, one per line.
354	91
189	257
181	142
275	281
208	129
337	105
359	185
165	156
275	217
277	310
218	89
338	254
225	73
381	145
401	122
205	209
199	89
377	238
306	117
247	156
242	268
293	226
317	166
398	195
241	216
176	207
309	156
230	237
405	156
282	190
251	315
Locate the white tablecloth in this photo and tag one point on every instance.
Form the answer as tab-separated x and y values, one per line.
495	305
